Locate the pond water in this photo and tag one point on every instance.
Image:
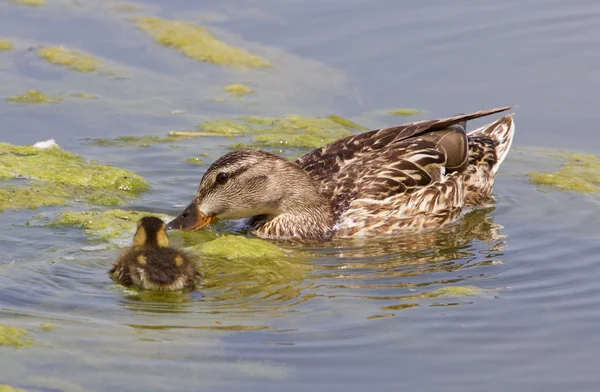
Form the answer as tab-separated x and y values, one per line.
506	299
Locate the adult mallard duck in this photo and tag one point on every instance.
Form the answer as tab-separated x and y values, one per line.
414	176
151	264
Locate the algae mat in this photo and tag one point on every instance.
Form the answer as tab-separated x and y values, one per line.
54	176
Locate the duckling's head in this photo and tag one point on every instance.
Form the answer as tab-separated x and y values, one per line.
151	233
245	183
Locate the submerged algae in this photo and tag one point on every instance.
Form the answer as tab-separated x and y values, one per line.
13	336
580	173
108	225
198	43
5	45
238	247
34	96
237	267
291	131
238	90
71	59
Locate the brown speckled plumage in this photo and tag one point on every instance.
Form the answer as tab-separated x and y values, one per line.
415	176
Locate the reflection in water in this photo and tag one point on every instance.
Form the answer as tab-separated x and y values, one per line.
408	269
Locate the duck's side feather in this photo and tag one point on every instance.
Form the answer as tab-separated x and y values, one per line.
417	176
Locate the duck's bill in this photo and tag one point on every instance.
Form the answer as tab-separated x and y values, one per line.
190	219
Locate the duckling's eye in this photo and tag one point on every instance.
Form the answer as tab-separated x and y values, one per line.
222	178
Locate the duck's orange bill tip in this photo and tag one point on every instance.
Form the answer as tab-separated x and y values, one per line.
202	221
190	219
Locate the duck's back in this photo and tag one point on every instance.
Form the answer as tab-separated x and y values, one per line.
417	175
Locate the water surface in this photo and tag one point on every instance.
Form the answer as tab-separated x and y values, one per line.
351	315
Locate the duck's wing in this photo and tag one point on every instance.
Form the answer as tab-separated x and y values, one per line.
401	168
324	163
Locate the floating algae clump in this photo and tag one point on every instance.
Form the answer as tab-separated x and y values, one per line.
291	131
61	166
237	246
30	2
71	59
345	122
237	267
60	176
5	45
198	43
195	160
34	96
8	388
580	173
404	112
13	336
108	225
238	90
13	197
139	141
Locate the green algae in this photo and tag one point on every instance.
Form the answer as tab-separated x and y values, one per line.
225	127
61	166
84	95
14	197
107	225
138	141
240	247
34	96
198	43
239	90
72	59
57	176
13	336
290	131
30	2
5	45
195	160
125	8
405	112
48	327
8	388
579	173
237	268
345	122
457	291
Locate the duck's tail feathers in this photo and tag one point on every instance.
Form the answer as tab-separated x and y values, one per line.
501	132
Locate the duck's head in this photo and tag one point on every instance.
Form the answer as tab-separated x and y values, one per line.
246	183
151	233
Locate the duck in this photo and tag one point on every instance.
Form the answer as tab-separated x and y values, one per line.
408	178
150	264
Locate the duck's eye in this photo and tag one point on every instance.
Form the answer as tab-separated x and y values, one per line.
222	178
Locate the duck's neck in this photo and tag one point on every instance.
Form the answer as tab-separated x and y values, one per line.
307	216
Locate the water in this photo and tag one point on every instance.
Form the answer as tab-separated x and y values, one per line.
352	315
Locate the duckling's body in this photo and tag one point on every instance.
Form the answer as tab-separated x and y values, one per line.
151	264
416	176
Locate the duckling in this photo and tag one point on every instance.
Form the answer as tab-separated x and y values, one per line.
151	264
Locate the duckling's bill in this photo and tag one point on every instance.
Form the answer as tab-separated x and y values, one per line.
191	219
